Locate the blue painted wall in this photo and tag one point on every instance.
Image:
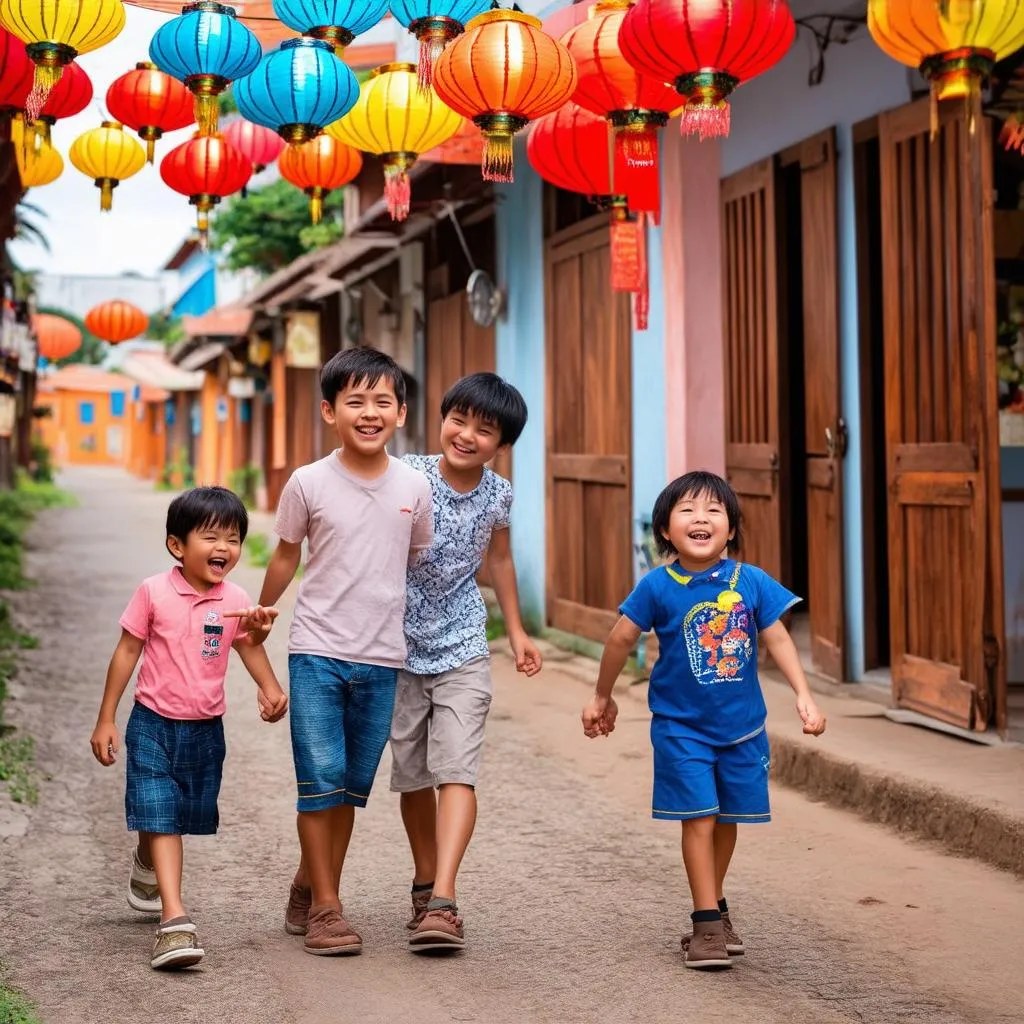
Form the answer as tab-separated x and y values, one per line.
519	345
198	286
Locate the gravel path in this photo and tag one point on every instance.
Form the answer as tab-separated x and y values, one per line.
574	898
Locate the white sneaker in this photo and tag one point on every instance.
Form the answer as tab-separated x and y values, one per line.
143	893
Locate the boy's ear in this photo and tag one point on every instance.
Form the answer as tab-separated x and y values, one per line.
402	412
175	547
327	412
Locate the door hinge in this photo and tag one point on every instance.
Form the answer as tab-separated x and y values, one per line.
836	442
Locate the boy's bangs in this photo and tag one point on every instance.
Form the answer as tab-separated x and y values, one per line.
220	521
466	408
709	490
370	380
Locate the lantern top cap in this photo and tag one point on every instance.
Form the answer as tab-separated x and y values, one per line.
397	65
307	42
610	5
112	124
146	65
209	7
489	17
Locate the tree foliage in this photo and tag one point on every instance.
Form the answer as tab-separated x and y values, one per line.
25	229
270	227
164	327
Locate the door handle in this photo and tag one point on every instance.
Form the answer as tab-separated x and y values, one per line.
836	442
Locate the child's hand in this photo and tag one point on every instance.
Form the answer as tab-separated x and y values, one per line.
273	705
528	658
599	717
813	719
105	743
255	623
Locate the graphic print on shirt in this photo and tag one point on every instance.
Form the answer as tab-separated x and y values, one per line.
717	635
212	634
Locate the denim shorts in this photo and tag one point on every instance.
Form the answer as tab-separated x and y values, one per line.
693	779
172	773
340	715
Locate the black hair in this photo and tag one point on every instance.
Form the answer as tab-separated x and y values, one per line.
204	507
491	398
696	485
356	365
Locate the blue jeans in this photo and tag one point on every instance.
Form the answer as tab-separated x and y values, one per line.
340	714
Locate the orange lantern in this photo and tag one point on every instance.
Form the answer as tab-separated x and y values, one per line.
58	338
502	73
318	166
116	321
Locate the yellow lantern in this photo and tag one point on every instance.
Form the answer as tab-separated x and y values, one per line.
396	121
108	155
57	31
38	164
954	43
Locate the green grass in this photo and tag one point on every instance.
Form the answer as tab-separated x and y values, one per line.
18	770
257	546
14	1007
17	510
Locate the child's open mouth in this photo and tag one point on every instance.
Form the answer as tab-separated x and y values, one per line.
699	537
369	431
461	450
218	564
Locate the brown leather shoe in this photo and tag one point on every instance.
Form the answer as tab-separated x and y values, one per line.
439	929
296	915
733	942
329	934
419	908
707	946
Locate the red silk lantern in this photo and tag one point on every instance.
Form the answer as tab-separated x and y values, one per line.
205	169
150	103
116	321
706	50
57	337
636	105
262	146
16	74
569	149
502	73
318	166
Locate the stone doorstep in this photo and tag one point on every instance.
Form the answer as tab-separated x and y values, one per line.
965	797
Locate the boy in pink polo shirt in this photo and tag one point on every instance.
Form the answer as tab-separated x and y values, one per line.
182	624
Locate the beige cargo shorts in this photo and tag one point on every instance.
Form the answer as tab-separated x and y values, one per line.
437	731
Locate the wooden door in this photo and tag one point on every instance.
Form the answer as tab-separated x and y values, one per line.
824	429
945	545
589	435
752	435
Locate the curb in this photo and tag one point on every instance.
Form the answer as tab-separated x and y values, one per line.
959	825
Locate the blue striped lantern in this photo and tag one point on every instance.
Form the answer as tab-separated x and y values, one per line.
297	90
206	48
435	23
337	22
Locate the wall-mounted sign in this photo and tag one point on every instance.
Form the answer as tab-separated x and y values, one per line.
222	410
302	341
241	387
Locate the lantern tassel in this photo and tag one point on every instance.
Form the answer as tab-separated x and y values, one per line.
497	160
316	205
636	169
45	78
203	223
397	191
706	120
431	47
642	296
106	194
150	150
206	114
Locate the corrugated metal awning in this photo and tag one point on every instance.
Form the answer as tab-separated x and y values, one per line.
203	355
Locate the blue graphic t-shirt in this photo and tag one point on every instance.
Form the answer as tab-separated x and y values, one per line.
705	680
445	616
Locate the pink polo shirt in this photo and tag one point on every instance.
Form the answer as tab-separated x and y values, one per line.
187	640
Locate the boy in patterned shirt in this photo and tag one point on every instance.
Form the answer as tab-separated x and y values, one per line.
444	692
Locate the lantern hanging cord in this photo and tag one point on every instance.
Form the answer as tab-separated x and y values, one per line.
839	28
450	211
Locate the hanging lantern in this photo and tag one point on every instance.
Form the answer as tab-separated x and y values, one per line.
337	22
260	146
1011	135
16	72
435	23
205	169
317	167
207	48
636	105
58	338
38	165
116	321
395	120
297	90
150	102
70	96
569	149
504	72
706	50
954	43
108	155
55	33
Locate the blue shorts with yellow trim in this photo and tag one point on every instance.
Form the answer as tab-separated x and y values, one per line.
693	779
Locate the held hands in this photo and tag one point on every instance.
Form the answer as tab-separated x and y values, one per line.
273	705
255	623
813	719
599	717
105	743
528	658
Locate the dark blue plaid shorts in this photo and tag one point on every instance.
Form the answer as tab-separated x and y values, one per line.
173	773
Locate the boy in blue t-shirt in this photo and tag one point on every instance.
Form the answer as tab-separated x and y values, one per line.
711	755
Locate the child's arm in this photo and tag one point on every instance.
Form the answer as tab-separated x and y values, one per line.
280	572
780	646
600	714
105	742
273	700
503	580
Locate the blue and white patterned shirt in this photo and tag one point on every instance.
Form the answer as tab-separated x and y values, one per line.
445	616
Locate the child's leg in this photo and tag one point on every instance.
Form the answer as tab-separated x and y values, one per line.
419	815
456	819
317	832
144	850
167	862
700	862
725	845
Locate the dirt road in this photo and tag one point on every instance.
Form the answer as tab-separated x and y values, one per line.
574	898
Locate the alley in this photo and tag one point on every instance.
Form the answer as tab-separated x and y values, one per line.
574	899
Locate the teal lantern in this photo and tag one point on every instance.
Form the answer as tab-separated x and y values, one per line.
337	22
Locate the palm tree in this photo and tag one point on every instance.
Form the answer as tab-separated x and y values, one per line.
25	229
